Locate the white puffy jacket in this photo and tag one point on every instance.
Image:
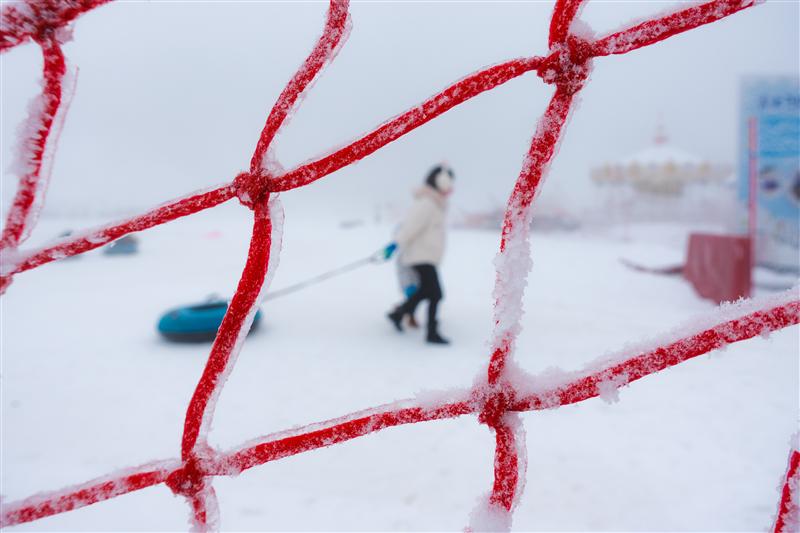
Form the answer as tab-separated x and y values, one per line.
421	236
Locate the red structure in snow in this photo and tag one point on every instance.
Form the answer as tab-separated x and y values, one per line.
496	402
719	266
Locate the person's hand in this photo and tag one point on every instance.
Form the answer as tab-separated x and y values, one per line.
389	250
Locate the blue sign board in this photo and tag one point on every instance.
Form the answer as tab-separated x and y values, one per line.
772	106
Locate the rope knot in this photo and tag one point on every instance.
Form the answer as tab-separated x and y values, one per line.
45	32
568	64
188	480
252	187
496	404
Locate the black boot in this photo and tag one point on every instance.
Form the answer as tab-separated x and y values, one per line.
433	334
396	317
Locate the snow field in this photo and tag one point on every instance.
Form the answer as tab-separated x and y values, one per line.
89	388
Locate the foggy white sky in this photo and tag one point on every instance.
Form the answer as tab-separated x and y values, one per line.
171	97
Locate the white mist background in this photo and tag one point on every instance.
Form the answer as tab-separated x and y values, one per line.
171	98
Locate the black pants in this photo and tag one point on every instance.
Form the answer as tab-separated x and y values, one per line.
429	289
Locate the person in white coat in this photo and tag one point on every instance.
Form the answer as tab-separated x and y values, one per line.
421	241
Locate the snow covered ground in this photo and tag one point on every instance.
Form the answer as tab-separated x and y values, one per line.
88	387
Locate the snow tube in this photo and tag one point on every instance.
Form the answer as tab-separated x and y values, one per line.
127	245
196	323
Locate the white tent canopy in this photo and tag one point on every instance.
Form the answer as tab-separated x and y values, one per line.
660	169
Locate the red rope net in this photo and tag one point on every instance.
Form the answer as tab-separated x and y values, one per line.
788	516
498	399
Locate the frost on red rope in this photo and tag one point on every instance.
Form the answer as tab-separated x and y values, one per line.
14	262
36	146
497	397
253	189
568	68
787	519
33	19
43	21
96	490
31	161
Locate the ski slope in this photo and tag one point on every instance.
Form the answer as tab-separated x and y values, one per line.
89	388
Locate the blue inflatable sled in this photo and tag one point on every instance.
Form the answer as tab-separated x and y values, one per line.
196	323
127	245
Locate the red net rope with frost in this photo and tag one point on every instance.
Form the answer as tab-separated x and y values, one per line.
788	517
497	398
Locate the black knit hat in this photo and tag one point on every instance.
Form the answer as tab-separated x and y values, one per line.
430	181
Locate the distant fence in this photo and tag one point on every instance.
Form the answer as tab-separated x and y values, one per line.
501	395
